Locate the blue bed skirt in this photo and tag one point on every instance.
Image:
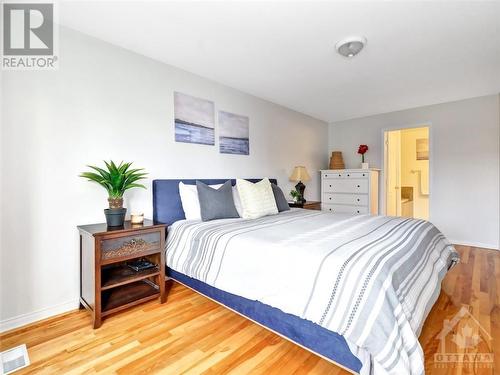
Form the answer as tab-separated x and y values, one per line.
304	332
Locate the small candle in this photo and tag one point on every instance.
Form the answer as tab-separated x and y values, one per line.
137	218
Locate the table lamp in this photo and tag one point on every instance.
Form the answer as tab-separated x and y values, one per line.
300	174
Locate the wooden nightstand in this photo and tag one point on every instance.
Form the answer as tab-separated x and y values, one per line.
107	284
309	205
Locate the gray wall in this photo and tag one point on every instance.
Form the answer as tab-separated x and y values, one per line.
108	103
464	162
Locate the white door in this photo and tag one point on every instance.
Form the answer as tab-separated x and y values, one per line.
393	172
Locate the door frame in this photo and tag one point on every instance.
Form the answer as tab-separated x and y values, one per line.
387	135
383	162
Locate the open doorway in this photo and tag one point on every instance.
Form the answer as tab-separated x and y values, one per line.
406	160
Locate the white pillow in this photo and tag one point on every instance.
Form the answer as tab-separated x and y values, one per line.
237	201
257	199
190	201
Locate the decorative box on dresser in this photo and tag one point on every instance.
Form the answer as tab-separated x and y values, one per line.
353	191
107	283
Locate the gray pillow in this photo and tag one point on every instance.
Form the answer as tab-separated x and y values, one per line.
281	202
216	203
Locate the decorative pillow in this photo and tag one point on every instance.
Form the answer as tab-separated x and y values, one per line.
257	199
281	201
216	203
190	201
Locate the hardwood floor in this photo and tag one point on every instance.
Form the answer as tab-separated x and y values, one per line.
191	334
474	285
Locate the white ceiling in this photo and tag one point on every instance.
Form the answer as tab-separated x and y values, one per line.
418	53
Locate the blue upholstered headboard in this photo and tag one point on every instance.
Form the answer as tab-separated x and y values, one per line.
167	206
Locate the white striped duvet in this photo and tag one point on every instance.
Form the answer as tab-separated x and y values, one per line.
372	279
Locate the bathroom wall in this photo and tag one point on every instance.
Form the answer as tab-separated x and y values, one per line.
410	167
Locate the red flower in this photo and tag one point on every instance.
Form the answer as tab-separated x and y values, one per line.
362	149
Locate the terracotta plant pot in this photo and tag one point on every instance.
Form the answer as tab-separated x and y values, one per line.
115	202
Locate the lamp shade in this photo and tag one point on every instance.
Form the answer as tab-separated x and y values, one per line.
300	174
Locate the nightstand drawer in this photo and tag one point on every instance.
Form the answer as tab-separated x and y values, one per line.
112	248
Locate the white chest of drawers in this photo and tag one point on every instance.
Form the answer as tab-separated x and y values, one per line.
353	191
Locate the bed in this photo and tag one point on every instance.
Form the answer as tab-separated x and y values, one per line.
352	289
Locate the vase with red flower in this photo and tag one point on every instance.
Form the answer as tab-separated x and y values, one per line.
362	150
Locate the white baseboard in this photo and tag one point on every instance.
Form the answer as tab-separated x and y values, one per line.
21	320
475	244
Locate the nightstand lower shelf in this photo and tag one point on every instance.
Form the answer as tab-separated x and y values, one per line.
128	295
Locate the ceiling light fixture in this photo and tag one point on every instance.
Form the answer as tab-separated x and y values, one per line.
350	47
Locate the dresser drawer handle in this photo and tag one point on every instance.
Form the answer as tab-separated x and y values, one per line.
340	175
330	198
358	211
363	175
359	186
348	175
357	199
330	185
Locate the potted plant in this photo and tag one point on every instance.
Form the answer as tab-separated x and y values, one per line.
362	150
116	179
295	195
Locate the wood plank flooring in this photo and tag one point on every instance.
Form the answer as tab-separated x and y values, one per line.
474	285
191	334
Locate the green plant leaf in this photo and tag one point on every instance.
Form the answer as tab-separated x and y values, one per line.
137	185
101	171
122	168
